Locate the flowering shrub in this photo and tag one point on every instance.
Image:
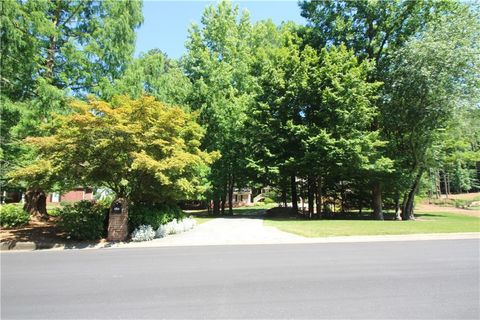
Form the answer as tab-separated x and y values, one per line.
143	233
161	231
175	226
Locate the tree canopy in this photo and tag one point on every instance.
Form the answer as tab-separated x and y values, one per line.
140	149
363	107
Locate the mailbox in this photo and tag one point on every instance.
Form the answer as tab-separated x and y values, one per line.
117	208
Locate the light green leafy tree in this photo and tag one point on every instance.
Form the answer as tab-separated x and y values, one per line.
143	150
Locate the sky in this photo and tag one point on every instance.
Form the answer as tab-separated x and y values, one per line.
166	23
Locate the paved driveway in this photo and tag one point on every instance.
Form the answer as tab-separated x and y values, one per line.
250	230
223	231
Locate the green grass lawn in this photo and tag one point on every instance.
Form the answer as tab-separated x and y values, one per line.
427	223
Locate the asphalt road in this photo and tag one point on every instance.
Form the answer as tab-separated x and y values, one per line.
414	279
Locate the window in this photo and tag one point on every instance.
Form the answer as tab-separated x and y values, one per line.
55	197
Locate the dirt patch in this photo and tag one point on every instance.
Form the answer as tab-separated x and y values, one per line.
36	231
463	196
426	207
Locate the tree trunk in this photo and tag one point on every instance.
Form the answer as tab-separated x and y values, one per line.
293	186
377	201
216	205
230	196
319	197
52	47
311	196
224	200
448	184
397	207
284	187
445	183
36	203
407	210
438	190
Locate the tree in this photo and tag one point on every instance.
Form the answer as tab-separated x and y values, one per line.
432	77
153	73
339	111
218	64
142	150
52	50
376	31
313	116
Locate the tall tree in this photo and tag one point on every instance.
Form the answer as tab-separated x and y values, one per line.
155	74
54	49
432	77
375	30
218	63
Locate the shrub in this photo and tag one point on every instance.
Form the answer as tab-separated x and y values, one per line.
143	233
84	220
175	226
152	215
268	200
162	231
12	215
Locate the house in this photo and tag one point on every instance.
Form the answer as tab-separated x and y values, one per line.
77	194
242	197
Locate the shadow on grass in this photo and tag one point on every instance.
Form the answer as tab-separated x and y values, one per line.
243	212
346	216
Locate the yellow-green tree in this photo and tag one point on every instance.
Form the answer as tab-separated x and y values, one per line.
142	150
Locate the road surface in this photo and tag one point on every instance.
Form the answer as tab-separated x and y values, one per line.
377	280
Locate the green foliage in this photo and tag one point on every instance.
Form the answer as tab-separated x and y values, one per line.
61	44
433	78
373	29
83	220
268	200
153	215
50	51
154	74
218	63
141	149
13	215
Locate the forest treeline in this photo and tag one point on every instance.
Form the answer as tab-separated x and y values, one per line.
363	107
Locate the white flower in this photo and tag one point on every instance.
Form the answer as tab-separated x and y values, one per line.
143	233
161	231
175	226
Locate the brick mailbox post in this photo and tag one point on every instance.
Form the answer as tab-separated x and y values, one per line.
118	220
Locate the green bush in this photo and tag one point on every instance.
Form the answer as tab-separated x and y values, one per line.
84	220
12	215
153	215
268	200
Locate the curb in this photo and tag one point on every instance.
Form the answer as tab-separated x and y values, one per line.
32	246
29	246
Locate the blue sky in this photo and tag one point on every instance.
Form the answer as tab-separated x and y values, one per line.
166	23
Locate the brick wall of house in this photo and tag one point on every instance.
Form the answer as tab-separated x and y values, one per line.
75	195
